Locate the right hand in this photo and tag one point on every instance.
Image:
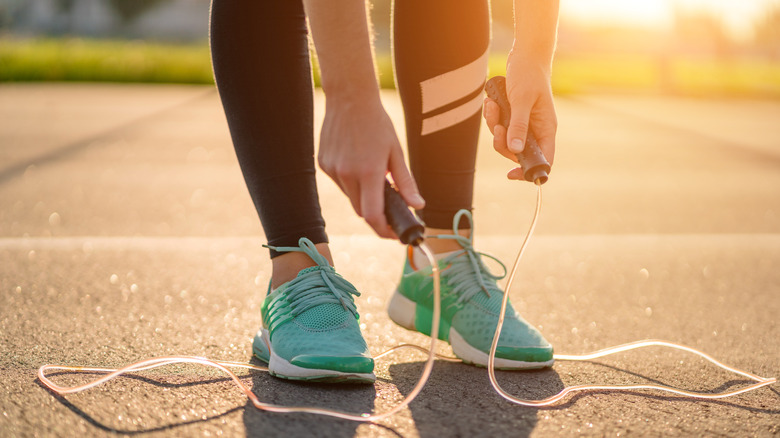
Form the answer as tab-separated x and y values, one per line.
533	111
358	148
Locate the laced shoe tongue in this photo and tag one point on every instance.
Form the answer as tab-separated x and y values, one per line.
491	303
325	315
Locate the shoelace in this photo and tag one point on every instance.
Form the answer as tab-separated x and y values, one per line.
466	272
319	284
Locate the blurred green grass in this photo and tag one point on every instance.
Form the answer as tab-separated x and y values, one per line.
103	61
680	75
143	61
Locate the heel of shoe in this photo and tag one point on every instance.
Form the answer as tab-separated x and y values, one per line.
402	311
261	346
413	316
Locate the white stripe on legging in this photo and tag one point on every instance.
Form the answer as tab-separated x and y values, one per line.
453	85
453	116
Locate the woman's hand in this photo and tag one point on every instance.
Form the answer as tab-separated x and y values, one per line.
358	145
358	148
533	112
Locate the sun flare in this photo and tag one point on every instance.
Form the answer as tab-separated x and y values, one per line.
738	16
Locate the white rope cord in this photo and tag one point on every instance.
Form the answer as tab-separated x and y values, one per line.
225	366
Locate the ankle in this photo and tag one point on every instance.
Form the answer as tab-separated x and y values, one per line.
439	246
287	266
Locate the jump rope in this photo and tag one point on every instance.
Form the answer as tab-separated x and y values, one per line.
411	232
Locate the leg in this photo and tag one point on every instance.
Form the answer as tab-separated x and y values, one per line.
441	56
260	53
441	63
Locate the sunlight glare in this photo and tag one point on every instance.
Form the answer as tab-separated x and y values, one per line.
647	12
738	15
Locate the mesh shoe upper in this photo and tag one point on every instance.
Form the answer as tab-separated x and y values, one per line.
312	320
471	302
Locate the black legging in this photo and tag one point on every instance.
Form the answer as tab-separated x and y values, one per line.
260	54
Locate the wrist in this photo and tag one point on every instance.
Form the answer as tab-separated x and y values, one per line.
528	64
351	96
531	57
353	78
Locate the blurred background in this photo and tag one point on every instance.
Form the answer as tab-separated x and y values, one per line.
126	230
673	47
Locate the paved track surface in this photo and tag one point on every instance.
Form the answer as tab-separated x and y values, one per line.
126	232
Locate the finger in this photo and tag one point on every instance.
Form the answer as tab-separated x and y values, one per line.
516	173
348	184
352	190
546	142
404	182
491	111
544	129
372	204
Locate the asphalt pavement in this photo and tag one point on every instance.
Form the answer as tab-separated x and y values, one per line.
126	232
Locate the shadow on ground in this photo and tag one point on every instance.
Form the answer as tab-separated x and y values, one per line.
459	401
354	398
103	423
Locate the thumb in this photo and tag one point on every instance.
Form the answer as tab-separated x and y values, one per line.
517	131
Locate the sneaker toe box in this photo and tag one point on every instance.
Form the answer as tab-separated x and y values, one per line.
340	349
525	354
344	364
519	340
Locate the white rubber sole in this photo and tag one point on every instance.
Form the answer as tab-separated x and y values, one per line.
402	311
471	355
279	367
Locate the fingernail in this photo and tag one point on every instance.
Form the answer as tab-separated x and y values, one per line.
417	199
517	145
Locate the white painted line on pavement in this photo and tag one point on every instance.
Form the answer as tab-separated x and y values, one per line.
756	241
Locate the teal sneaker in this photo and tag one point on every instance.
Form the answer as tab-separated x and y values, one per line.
470	305
310	326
